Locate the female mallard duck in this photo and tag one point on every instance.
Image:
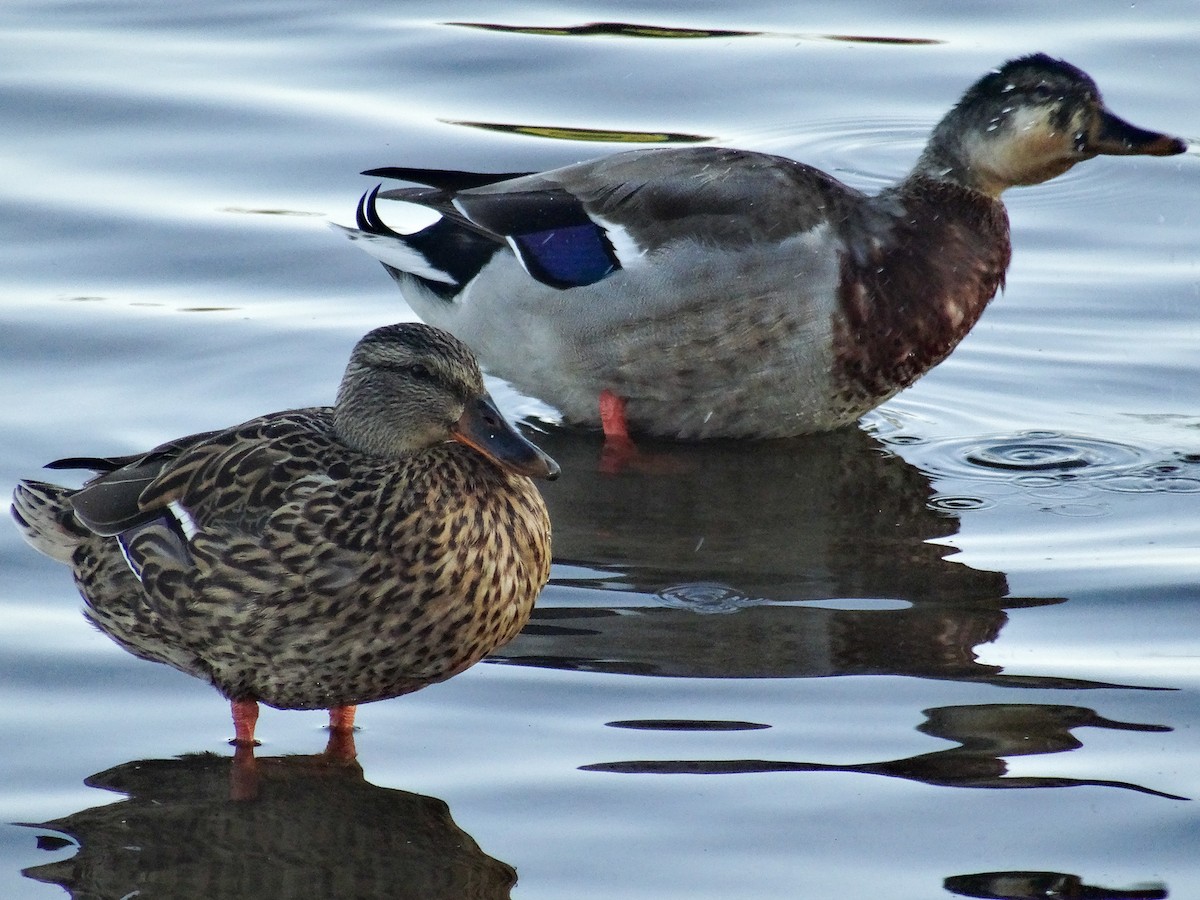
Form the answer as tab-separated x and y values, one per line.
706	292
317	558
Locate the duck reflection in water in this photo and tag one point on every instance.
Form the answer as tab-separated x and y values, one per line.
1044	886
986	734
704	573
314	830
753	531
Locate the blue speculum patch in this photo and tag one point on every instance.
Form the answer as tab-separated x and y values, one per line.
570	256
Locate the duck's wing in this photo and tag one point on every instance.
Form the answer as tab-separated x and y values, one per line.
712	195
577	225
231	480
110	502
239	477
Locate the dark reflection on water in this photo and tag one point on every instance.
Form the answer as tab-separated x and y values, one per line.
835	515
686	725
744	530
725	543
1044	886
775	642
315	830
874	39
627	29
985	735
607	29
567	133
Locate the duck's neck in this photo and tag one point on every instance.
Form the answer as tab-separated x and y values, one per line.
365	422
909	300
947	165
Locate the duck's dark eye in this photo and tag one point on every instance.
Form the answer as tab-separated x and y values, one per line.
1042	93
416	371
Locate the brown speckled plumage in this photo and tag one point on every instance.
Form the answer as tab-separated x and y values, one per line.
286	566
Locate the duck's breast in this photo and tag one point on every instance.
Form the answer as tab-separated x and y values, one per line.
905	301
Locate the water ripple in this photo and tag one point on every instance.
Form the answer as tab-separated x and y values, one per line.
1066	473
1036	458
950	503
868	152
706	597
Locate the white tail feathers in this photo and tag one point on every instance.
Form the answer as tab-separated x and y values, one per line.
394	252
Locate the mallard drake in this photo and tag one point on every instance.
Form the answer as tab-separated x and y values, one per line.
708	292
316	558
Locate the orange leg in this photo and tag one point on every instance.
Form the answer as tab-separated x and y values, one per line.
620	453
619	450
341	734
341	718
612	416
245	715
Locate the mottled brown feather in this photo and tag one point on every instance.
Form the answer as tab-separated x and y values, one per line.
309	573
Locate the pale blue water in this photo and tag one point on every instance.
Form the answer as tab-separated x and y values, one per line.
970	628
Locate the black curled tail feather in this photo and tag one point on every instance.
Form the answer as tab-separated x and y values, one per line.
447	246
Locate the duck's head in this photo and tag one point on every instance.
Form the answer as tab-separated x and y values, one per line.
409	387
1028	121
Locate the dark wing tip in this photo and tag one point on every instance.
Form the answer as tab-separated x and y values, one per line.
100	464
450	180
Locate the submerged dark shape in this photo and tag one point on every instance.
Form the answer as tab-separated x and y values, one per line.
708	292
317	558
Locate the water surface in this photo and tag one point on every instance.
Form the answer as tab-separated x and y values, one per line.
951	652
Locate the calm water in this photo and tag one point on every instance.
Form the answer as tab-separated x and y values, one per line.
865	665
